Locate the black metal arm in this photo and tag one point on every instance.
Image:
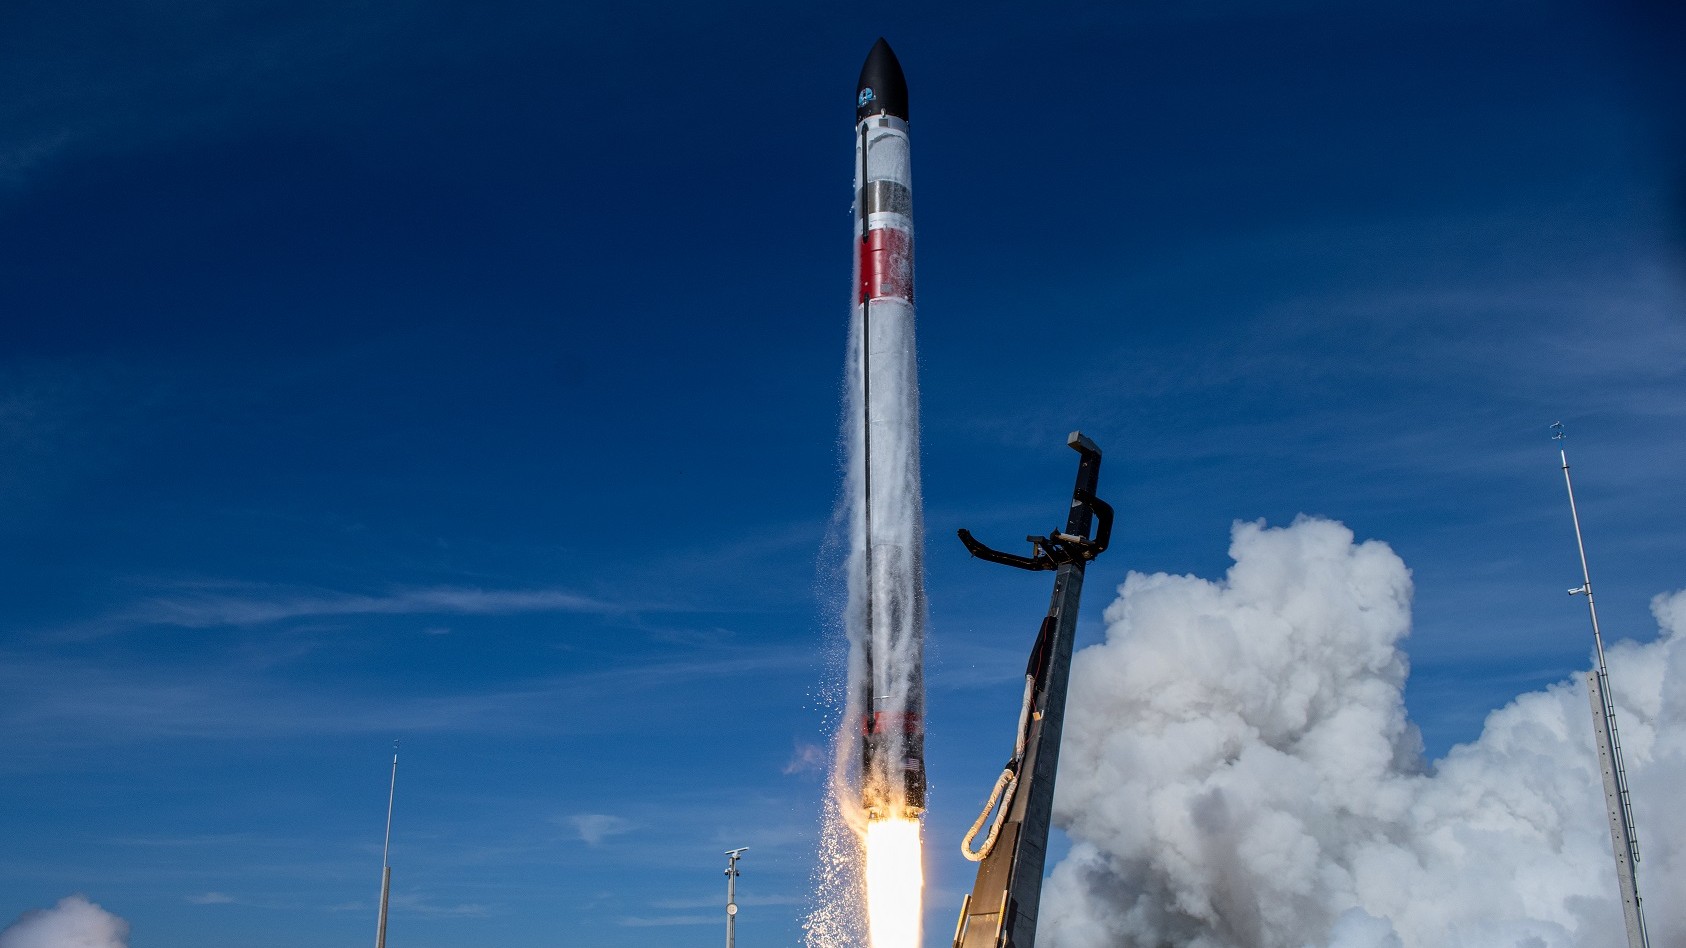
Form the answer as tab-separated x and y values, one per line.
1059	548
1036	562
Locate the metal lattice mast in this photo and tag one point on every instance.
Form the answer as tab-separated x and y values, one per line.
1618	804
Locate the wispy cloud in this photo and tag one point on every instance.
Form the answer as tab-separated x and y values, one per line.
173	842
594	828
640	921
211	898
196	609
679	905
782	836
805	758
423	905
71	702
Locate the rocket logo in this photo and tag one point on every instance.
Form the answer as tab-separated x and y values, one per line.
866	96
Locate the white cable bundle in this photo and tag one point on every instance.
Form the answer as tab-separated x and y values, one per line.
1004	784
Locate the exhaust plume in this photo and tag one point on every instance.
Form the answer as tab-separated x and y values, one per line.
1239	772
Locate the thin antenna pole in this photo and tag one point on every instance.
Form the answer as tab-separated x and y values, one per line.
386	851
1624	839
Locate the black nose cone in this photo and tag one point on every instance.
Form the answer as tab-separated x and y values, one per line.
882	89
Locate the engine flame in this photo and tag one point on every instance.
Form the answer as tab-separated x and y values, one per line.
895	883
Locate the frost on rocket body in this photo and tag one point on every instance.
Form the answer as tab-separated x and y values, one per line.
1238	770
74	922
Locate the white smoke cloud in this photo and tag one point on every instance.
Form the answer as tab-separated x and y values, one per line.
1238	770
73	923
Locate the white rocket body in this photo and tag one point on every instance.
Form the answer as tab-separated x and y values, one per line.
886	569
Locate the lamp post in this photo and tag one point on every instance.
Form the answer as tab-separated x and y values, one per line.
732	895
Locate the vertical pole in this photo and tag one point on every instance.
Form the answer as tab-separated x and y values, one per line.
1618	804
732	895
386	851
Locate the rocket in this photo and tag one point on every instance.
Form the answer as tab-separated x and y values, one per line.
887	599
884	185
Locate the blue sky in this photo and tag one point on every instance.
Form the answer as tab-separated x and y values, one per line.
469	375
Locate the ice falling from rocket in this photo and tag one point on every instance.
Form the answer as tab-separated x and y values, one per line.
886	595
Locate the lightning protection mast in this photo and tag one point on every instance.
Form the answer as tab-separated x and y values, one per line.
386	851
1618	804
